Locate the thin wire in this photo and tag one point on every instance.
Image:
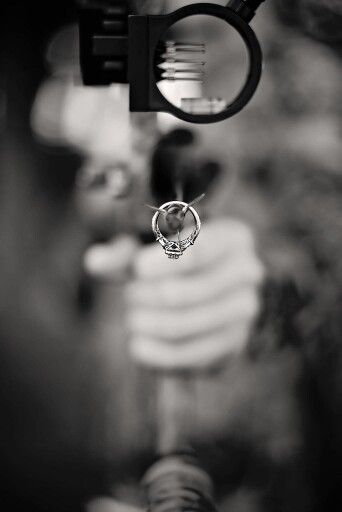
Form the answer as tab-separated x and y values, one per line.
179	189
195	201
160	210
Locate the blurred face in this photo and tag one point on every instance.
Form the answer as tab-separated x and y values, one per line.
114	176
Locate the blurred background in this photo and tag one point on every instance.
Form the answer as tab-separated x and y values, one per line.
78	415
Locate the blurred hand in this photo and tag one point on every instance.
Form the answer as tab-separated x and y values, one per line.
191	313
194	312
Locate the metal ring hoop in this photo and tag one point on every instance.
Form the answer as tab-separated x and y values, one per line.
175	249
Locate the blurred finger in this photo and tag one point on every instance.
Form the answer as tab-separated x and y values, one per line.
193	289
111	261
199	354
177	325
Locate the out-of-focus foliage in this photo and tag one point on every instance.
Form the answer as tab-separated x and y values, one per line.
321	18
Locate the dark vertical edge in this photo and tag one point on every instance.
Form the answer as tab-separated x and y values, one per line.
138	63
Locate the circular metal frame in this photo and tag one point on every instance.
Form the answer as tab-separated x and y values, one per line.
254	57
175	249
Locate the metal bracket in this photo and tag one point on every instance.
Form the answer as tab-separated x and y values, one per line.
104	41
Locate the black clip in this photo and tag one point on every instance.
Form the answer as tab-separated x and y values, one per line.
104	41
